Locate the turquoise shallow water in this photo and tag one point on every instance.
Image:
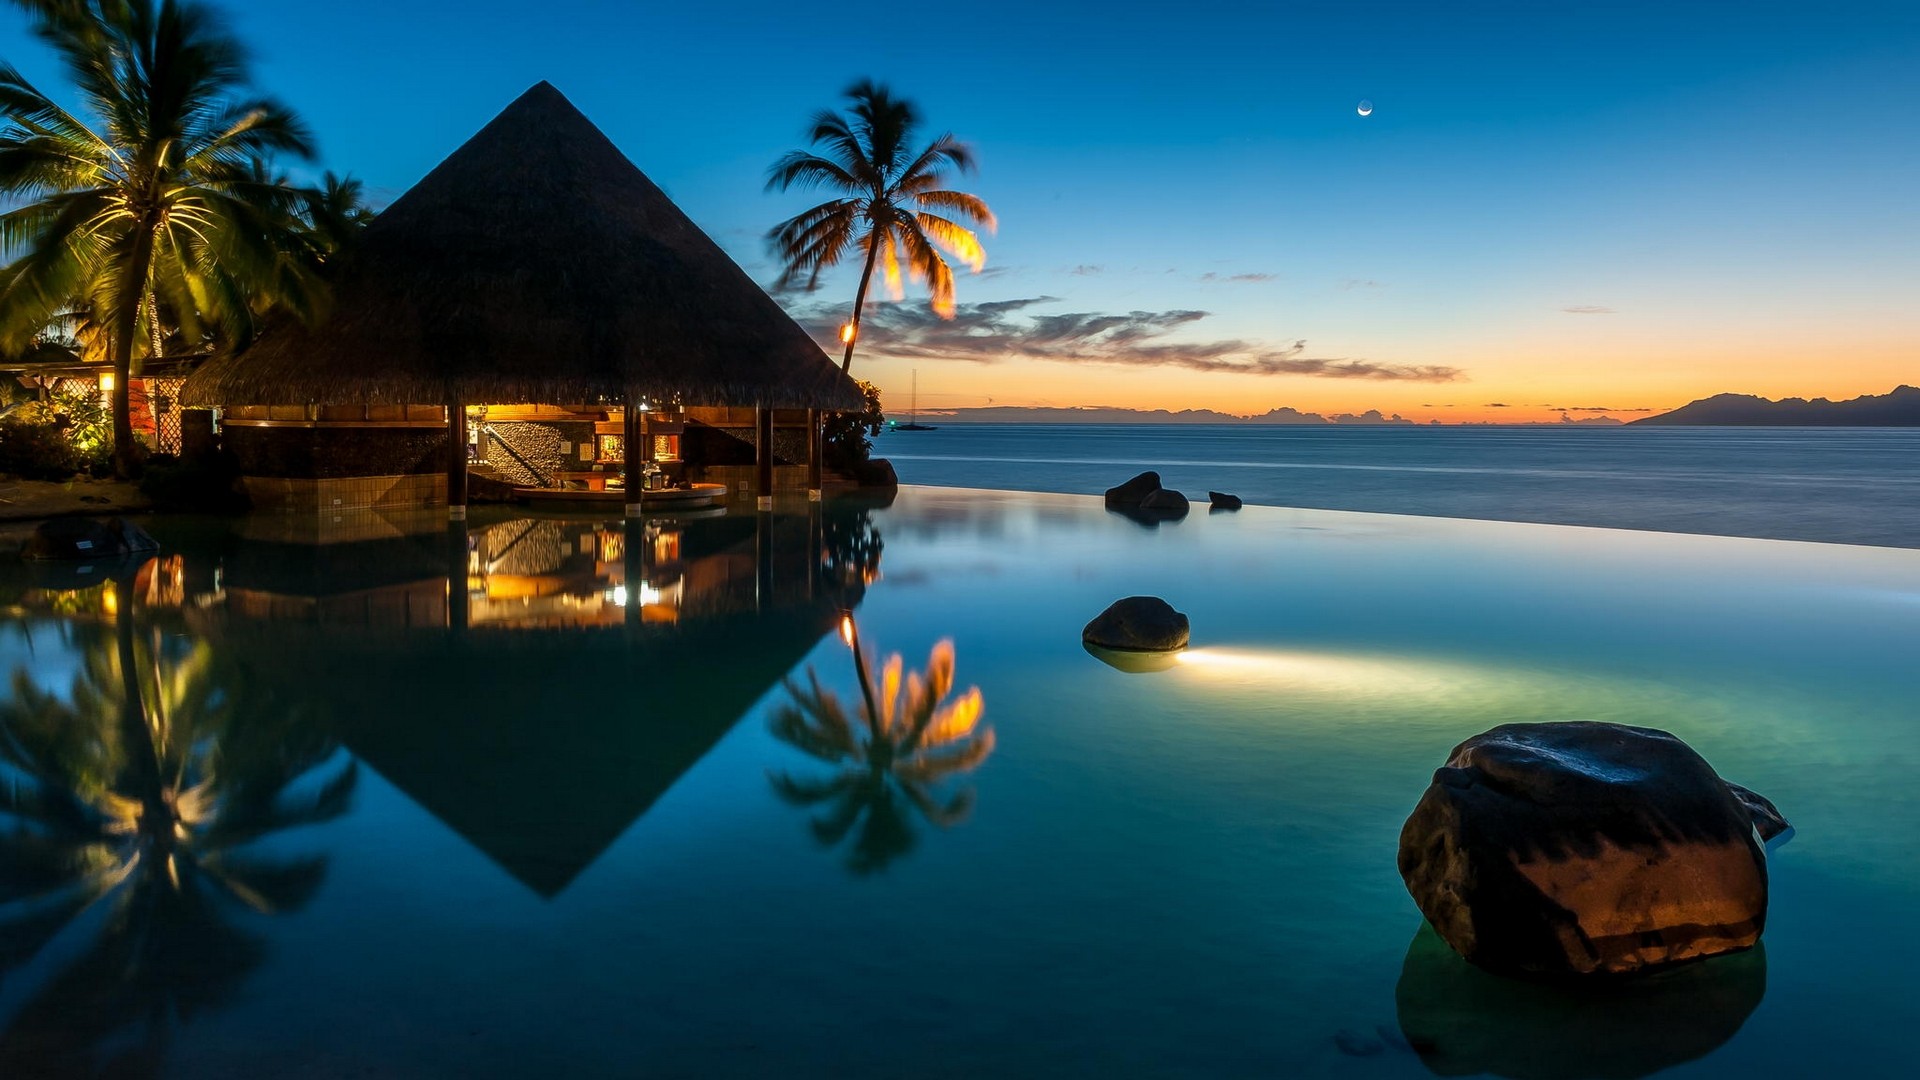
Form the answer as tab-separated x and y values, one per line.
544	831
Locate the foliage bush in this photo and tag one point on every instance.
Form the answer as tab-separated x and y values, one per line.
849	435
35	449
55	441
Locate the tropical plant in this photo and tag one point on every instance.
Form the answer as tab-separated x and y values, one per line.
848	436
142	790
161	210
904	743
892	203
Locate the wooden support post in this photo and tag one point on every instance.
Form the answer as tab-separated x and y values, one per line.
457	463
633	447
763	456
814	452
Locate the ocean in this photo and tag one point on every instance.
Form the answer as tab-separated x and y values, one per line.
1829	485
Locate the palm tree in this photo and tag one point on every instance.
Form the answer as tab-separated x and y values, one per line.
161	203
904	745
888	198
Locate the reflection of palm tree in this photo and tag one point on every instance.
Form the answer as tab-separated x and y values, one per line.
904	746
142	792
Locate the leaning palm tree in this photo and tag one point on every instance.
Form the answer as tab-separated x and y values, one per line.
895	755
154	203
886	209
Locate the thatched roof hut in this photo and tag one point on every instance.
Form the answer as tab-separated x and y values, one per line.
535	265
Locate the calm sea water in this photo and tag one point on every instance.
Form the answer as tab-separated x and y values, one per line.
1836	485
371	798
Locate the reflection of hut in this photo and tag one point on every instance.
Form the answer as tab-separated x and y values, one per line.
537	685
542	298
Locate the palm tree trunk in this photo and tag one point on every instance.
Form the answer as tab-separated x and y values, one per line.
133	289
860	298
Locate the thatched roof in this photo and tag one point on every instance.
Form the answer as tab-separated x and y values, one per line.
535	265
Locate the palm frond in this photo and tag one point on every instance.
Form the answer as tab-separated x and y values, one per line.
967	206
803	170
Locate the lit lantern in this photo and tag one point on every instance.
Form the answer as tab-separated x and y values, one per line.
106	383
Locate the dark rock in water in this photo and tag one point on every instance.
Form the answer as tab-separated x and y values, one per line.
1166	502
1131	661
1584	848
1138	624
1134	491
1223	501
876	473
85	538
1357	1043
1767	819
1463	1021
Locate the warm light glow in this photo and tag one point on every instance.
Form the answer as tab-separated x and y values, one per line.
106	383
847	331
846	629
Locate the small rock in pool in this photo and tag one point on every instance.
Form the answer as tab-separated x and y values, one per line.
1223	501
1138	624
1134	491
1167	502
85	538
1357	1043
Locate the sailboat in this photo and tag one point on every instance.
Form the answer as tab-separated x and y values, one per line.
913	409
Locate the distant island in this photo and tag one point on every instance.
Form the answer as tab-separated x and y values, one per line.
1108	414
1900	408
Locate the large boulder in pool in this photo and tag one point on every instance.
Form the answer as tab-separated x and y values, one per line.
86	538
1585	848
1134	491
1137	624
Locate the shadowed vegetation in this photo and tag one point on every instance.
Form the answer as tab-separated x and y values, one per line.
153	221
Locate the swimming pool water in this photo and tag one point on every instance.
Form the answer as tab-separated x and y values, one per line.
513	800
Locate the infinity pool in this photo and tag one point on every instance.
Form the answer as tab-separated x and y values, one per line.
371	798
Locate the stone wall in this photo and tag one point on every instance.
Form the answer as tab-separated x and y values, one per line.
539	444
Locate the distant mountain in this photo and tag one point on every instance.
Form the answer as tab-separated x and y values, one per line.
1105	414
1901	408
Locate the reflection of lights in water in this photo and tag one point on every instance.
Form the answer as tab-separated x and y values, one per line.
648	595
1325	671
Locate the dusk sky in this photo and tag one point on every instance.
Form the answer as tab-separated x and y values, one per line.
1625	206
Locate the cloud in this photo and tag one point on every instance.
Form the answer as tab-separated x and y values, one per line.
1592	408
1371	416
1239	277
1496	405
999	330
1588	309
1086	270
1360	283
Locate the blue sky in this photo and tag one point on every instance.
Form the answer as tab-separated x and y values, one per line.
1722	194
